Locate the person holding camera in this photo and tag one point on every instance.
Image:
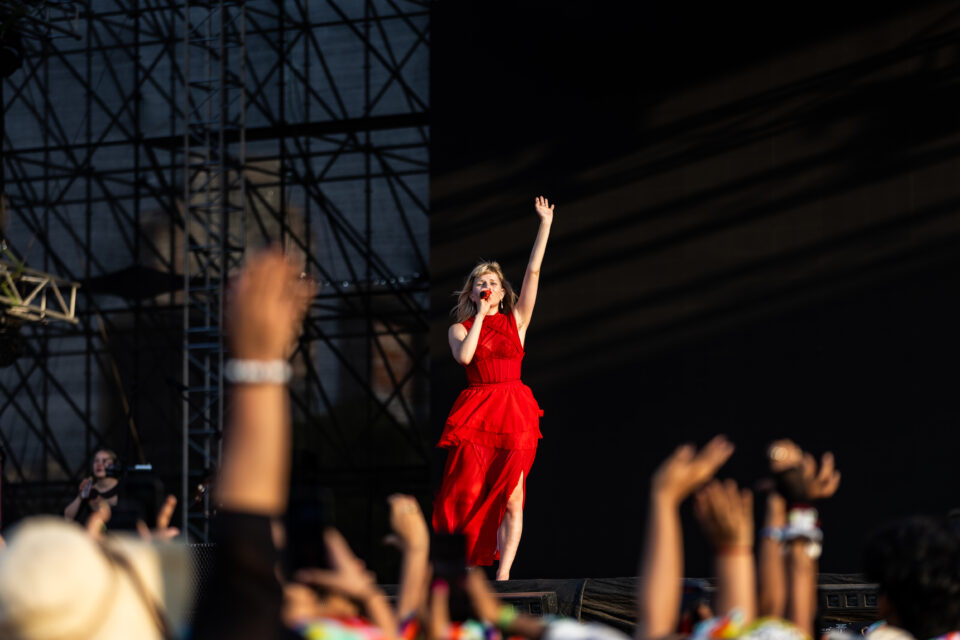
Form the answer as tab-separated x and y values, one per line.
102	485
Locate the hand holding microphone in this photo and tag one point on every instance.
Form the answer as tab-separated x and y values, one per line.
488	299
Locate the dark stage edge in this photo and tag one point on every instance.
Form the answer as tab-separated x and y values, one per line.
845	600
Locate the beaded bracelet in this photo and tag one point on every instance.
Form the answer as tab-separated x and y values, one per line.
505	616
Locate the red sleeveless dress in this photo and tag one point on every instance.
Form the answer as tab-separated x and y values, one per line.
491	434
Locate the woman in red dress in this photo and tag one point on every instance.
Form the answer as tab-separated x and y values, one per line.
493	428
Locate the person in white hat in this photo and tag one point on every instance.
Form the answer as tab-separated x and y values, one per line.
59	582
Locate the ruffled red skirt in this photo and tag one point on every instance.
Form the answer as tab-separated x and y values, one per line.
504	415
492	433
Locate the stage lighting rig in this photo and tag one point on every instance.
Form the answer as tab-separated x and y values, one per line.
27	295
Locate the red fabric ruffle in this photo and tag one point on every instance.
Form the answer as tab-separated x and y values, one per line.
503	415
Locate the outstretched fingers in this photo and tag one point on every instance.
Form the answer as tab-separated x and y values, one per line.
686	469
713	456
828	480
725	513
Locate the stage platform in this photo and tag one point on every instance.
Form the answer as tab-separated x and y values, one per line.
845	600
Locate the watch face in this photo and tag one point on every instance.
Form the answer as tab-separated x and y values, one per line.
814	549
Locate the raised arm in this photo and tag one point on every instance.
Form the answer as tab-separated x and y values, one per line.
267	308
411	535
244	598
804	540
726	515
771	574
801	483
531	279
661	567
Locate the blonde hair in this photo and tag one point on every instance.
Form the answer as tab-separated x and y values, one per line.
467	308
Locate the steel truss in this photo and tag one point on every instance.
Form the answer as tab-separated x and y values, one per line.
145	147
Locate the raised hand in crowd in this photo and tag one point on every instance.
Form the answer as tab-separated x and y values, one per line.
412	537
163	530
266	306
348	576
687	469
661	566
265	311
797	475
725	514
795	538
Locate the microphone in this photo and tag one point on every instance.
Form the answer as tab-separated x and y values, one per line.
485	294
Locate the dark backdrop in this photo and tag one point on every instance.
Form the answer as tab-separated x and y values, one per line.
756	234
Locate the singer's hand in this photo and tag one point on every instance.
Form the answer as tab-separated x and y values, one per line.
492	301
544	209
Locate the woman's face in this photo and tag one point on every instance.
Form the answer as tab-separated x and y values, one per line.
101	461
486	282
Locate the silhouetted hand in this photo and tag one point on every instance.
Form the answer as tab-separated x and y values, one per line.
409	526
799	474
725	514
163	531
686	469
266	306
349	575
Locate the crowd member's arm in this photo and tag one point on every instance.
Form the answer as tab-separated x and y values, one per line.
266	307
72	509
411	535
803	549
772	579
531	277
661	565
726	515
163	530
349	576
268	304
801	586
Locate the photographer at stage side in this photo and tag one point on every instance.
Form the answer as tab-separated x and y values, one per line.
103	485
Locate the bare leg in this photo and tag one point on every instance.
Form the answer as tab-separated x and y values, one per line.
508	536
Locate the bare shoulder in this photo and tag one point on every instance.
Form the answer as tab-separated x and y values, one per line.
457	331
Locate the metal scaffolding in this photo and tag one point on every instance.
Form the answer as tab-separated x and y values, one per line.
214	206
145	146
